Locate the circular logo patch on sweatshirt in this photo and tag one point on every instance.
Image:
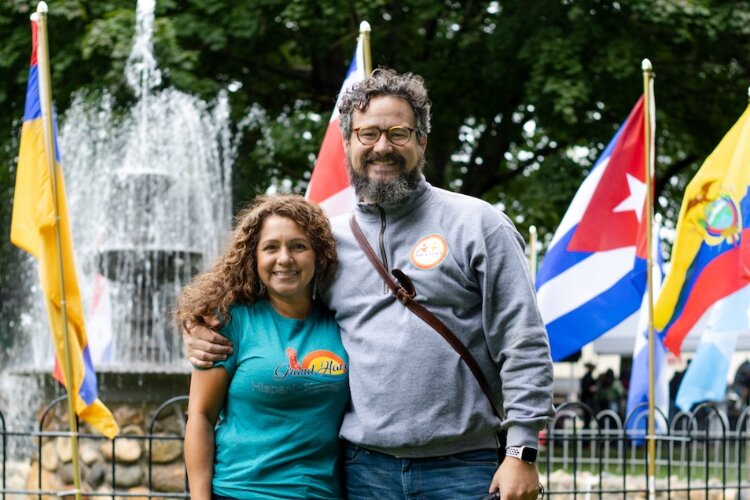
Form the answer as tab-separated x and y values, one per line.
429	252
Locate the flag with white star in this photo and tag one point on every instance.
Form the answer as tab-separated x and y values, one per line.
593	277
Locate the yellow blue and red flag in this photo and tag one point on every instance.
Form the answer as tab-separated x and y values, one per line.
33	228
711	252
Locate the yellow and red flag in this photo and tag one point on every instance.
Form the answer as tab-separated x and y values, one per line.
33	228
711	251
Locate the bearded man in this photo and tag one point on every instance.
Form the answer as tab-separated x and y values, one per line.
419	425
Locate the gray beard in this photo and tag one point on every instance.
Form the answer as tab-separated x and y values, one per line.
392	191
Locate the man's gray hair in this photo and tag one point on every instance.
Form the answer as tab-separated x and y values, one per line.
386	82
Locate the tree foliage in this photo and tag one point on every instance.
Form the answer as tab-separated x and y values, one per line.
525	94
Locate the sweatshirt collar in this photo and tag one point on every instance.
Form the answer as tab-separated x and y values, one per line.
419	196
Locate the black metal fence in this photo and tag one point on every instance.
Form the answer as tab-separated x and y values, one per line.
36	486
699	454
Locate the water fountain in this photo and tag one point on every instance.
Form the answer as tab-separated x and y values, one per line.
149	198
150	201
149	195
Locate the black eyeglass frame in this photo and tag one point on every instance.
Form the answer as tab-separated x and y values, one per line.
387	134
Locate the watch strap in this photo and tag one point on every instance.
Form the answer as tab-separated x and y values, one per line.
524	453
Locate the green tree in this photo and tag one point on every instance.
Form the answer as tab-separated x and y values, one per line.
526	94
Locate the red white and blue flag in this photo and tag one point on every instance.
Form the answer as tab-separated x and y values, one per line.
329	184
592	279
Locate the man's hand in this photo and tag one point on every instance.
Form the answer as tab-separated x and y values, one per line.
203	346
516	480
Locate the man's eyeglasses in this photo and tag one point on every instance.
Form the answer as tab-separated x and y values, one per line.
396	135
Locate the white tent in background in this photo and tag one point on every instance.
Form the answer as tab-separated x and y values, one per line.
620	341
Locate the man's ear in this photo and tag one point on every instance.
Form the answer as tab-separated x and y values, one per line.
423	143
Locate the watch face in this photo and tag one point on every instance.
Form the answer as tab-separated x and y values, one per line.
528	454
524	453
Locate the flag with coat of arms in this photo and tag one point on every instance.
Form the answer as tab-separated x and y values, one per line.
711	252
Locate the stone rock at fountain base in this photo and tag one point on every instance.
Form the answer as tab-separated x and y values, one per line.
132	430
50	481
64	450
95	475
164	451
65	472
169	478
127	416
127	451
171	423
71	496
138	490
50	460
126	476
89	453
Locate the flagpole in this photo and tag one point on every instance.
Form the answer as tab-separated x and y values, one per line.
532	252
648	77
364	33
45	94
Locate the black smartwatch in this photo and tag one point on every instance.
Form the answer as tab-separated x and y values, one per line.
524	453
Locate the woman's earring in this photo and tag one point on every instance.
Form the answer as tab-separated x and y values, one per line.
315	287
261	288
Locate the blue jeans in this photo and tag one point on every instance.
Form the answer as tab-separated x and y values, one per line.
373	475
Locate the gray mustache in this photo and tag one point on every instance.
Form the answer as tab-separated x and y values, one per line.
390	157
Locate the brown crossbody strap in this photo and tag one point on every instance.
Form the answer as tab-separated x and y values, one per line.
404	291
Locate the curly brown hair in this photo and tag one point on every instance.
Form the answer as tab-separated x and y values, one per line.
233	279
386	82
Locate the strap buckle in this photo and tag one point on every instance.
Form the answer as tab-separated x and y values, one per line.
403	295
405	290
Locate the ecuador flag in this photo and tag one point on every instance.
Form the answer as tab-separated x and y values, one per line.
33	228
711	252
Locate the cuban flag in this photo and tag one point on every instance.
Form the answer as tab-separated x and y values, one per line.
38	210
329	184
593	277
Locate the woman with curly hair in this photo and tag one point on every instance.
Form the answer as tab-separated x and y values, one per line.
280	395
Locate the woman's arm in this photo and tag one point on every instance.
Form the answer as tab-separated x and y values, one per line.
207	391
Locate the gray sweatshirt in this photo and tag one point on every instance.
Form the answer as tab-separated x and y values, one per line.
412	395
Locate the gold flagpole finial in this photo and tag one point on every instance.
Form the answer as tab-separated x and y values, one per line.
532	251
364	33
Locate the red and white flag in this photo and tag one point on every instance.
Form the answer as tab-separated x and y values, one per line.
329	184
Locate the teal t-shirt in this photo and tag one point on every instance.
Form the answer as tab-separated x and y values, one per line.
277	436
